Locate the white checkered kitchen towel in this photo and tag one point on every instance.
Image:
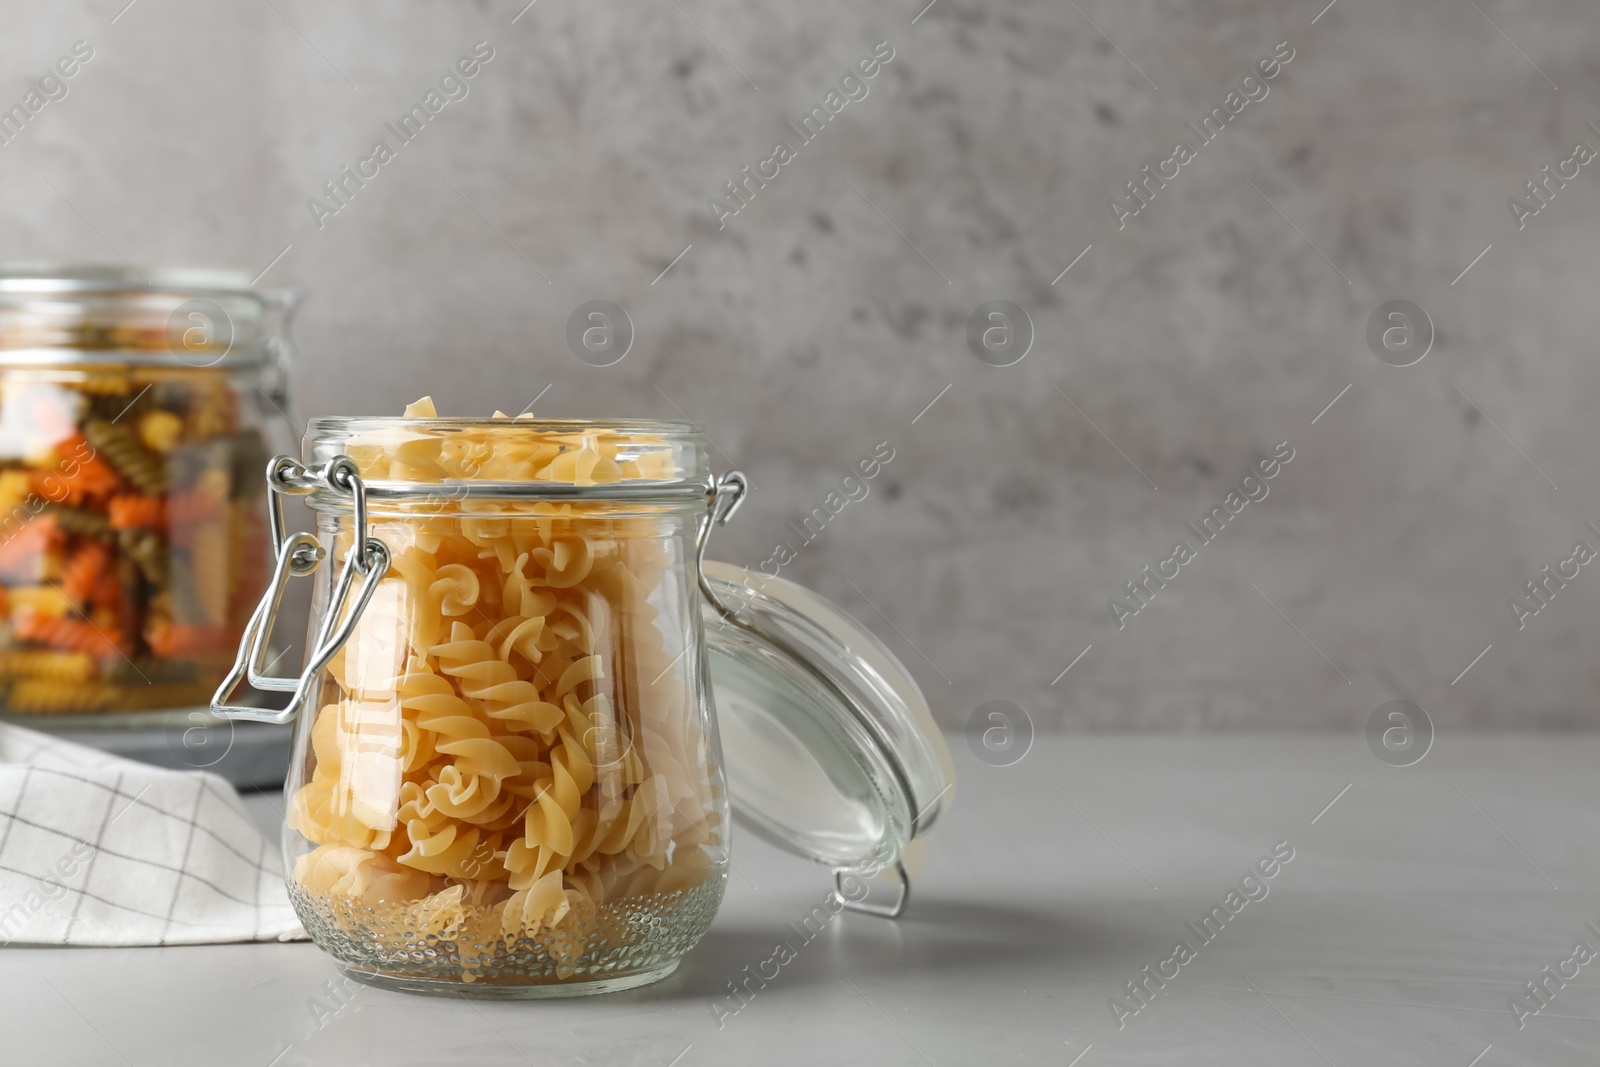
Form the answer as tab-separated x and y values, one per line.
100	850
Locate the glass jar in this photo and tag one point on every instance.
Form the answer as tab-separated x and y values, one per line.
507	777
137	411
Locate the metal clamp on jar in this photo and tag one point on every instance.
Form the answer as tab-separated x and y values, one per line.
508	777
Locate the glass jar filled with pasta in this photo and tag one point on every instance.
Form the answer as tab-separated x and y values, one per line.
137	411
508	778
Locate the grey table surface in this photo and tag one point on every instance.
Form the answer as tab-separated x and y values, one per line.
1414	908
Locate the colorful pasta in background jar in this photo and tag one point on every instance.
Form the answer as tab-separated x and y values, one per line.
137	412
508	778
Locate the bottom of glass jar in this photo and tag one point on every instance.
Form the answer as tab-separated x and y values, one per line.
547	991
616	944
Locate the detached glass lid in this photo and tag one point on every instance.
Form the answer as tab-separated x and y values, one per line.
830	749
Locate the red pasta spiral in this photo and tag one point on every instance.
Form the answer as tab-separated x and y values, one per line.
83	572
65	633
170	639
90	475
132	511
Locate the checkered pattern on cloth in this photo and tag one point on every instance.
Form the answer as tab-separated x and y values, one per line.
100	850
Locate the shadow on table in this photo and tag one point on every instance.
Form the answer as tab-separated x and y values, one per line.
935	936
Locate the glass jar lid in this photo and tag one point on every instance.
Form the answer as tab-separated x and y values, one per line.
830	749
51	315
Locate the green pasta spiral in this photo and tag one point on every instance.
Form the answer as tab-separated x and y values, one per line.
130	458
150	670
149	552
81	521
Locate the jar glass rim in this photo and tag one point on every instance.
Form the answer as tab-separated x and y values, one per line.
324	426
107	316
672	456
47	280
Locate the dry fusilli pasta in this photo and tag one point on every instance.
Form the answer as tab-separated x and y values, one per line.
510	742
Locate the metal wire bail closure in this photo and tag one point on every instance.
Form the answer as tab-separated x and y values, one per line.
298	556
726	494
866	907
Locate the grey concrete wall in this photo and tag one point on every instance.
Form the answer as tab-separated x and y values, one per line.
824	317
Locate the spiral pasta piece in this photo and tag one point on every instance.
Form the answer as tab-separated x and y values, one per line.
148	550
65	667
65	633
47	696
131	511
185	639
131	459
81	522
159	431
76	473
83	571
50	601
455	588
483	676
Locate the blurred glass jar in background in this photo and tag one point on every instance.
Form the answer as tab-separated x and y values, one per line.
137	413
